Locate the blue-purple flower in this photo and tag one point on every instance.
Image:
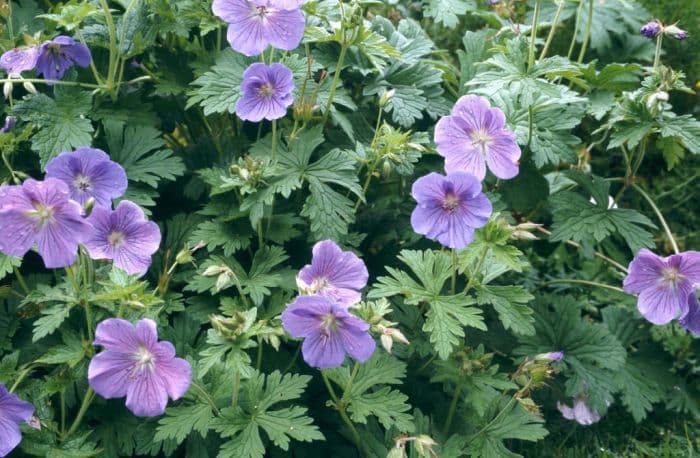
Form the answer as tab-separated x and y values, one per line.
256	24
329	332
663	284
41	212
58	55
266	92
580	412
89	172
550	356
13	412
333	273
134	364
449	208
124	236
651	29
18	60
691	320
10	122
475	135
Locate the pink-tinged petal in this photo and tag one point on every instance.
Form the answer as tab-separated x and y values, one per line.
323	351
108	373
470	160
176	376
429	221
644	272
503	156
475	111
97	243
662	304
10	435
429	189
566	411
302	318
57	242
146	395
147	333
286	4
691	319
285	29
583	414
118	335
247	36
360	346
689	267
17	232
451	137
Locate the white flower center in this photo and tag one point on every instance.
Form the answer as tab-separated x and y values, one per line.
671	276
145	361
266	90
260	11
328	324
82	182
43	214
451	202
115	238
319	284
481	139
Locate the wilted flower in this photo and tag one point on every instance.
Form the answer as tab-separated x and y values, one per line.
329	332
10	122
651	29
449	208
89	172
580	412
663	284
255	24
137	366
675	32
13	411
266	92
18	60
41	212
124	236
389	335
475	135
691	320
58	55
333	273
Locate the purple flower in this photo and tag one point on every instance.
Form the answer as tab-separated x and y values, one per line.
266	92
137	366
551	356
475	135
13	411
10	122
650	29
58	55
663	284
89	172
18	60
255	24
691	320
41	212
329	332
675	32
449	208
333	273
124	236
580	412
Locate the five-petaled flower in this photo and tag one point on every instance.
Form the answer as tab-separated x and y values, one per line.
663	284
41	212
18	60
333	273
329	332
255	24
449	208
58	55
136	365
475	135
124	236
89	172
266	92
13	411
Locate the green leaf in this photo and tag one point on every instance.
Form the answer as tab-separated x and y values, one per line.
218	90
179	422
52	317
510	303
446	320
62	124
71	352
446	12
7	264
684	128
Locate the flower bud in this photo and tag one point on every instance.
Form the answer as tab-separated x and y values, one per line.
399	451
384	99
10	122
387	342
551	356
651	29
424	445
34	422
29	87
88	206
675	32
7	89
389	336
212	271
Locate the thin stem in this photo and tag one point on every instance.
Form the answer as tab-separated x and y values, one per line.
583	282
87	400
62	398
236	388
553	30
334	84
365	186
43	81
533	35
595	253
206	396
274	140
587	33
258	362
453	409
353	375
112	71
579	10
21	377
507	407
657	52
341	410
667	229
453	284
293	361
20	280
477	269
330	389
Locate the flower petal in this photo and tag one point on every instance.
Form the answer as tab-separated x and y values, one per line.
644	272
146	395
108	373
323	351
118	335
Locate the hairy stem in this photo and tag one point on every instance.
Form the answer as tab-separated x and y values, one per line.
87	400
597	254
552	30
660	216
533	34
583	282
453	409
587	33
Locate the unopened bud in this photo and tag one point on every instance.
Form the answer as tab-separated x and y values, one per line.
389	336
212	271
384	99
34	422
424	445
656	97
223	280
29	86
551	356
386	168
89	205
399	451
387	342
524	235
7	89
675	32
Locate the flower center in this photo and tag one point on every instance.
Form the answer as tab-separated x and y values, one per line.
671	276
115	239
55	48
43	214
266	90
328	324
144	359
261	11
451	202
319	284
481	139
82	182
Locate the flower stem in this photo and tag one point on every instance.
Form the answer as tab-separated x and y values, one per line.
20	280
477	269
595	253
533	34
657	52
258	362
113	56
21	377
576	27
341	410
334	84
207	397
87	400
659	215
583	282
236	388
353	375
453	283
273	154
453	409
587	33
552	30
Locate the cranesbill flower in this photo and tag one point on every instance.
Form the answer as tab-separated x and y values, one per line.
124	236
41	212
329	332
58	55
663	284
449	208
18	60
475	135
550	356
13	411
580	412
10	122
266	92
650	29
134	364
255	24
676	32
89	172
333	273
691	320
